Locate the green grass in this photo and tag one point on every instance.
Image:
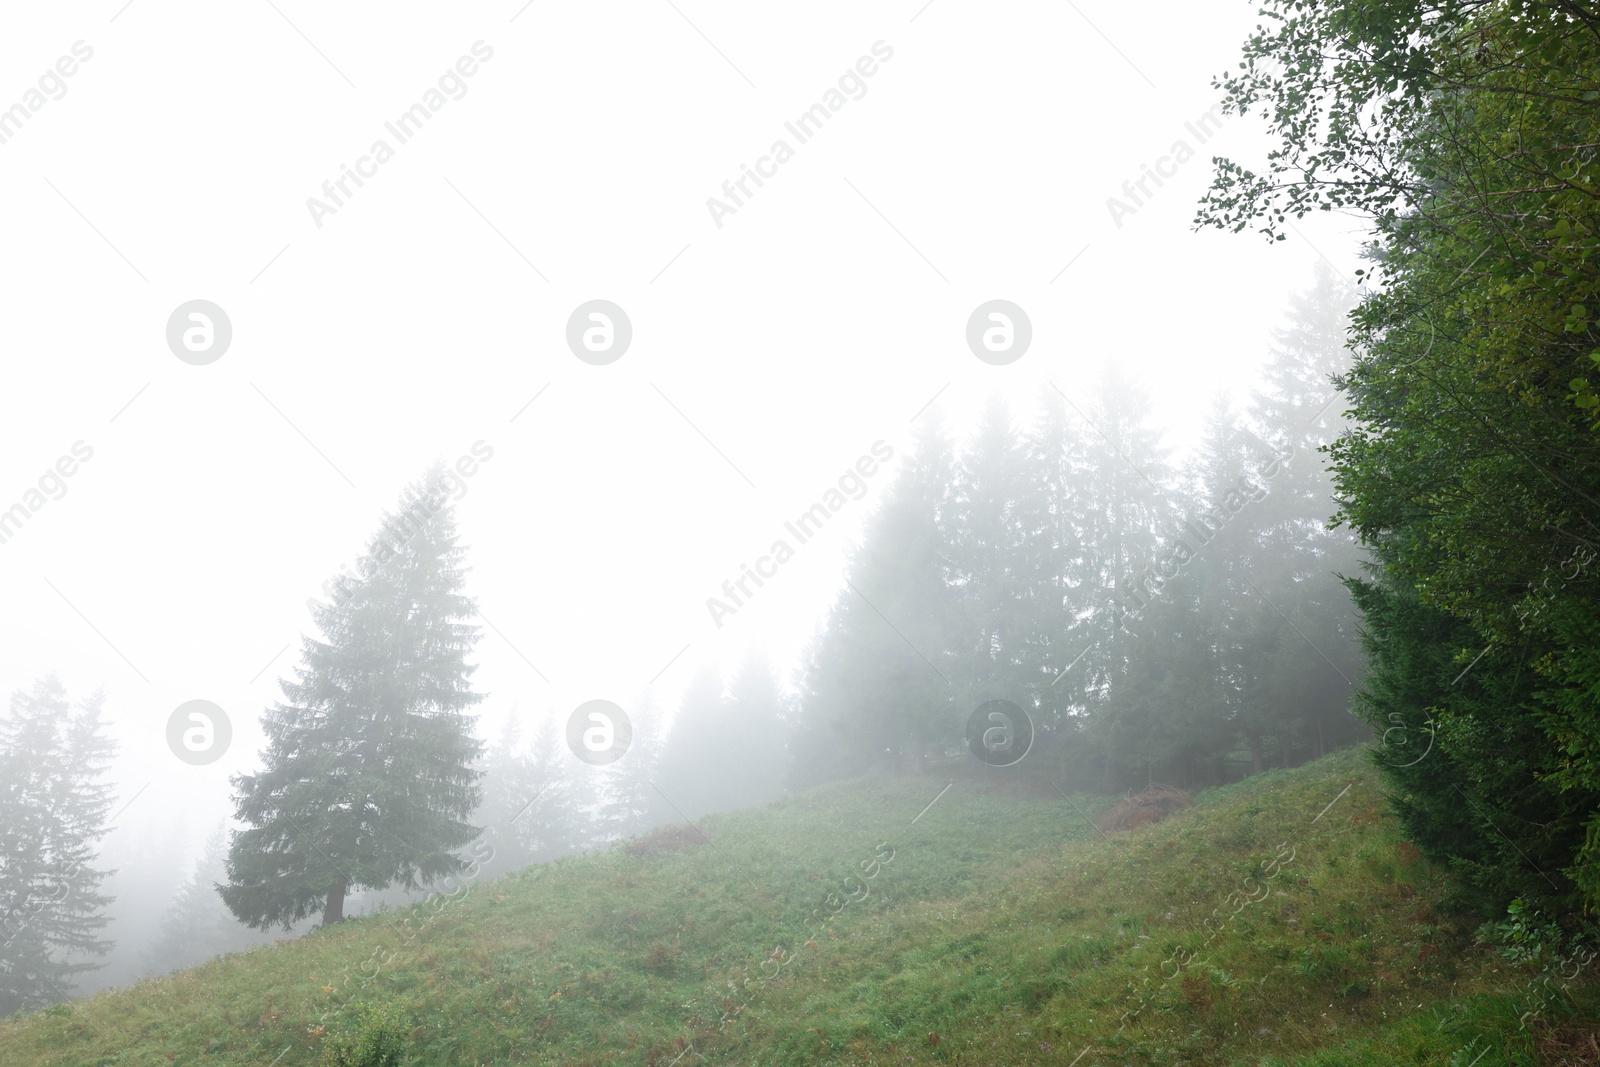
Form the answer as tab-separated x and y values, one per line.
1004	930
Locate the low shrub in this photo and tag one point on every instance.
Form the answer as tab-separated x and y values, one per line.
369	1035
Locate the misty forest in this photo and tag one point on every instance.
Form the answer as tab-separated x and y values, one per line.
1269	738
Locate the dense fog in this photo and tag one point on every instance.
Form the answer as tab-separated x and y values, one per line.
441	443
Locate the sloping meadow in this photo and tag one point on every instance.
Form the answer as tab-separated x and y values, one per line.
1280	920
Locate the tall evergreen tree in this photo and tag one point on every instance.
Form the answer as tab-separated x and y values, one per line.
368	777
53	810
1234	482
1175	712
876	692
1267	626
1127	500
1050	567
1471	469
984	535
1465	779
1310	619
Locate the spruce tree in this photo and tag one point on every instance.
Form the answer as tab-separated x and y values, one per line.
368	778
877	691
53	809
1238	631
1050	567
1166	717
1294	417
1458	766
985	539
1126	500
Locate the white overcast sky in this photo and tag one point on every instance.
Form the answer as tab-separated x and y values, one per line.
432	306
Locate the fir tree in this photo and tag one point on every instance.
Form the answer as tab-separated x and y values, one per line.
1126	500
1050	566
368	778
53	809
985	537
1310	617
876	692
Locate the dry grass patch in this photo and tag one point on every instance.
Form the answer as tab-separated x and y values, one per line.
679	837
1154	804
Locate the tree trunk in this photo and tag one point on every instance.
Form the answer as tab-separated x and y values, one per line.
1255	754
333	910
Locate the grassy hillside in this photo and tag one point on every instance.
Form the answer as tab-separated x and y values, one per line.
1280	921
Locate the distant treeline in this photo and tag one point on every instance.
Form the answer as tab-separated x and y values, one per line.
1182	624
